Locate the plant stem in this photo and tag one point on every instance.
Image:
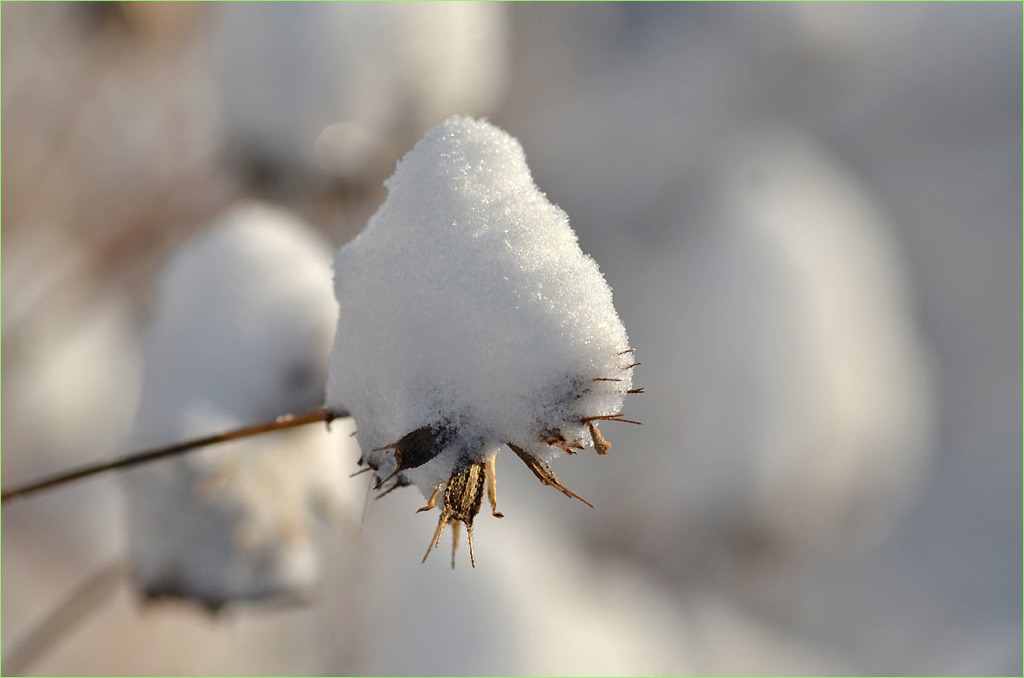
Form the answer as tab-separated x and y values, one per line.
283	422
63	619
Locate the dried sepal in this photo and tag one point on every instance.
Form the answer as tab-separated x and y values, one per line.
417	447
601	446
610	417
544	473
557	439
492	485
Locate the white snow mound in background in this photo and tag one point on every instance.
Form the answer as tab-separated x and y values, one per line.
468	304
241	330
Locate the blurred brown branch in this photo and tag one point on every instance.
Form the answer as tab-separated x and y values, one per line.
63	619
280	423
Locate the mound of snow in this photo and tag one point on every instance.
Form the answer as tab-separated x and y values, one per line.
241	332
472	320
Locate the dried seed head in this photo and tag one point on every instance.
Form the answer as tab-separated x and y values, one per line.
462	499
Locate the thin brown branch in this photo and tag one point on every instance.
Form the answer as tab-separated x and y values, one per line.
283	422
63	619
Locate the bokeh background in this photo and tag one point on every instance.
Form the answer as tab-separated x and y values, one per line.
810	215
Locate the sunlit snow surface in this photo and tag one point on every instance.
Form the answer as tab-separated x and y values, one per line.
469	306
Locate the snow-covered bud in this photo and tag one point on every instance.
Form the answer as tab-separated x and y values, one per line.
473	321
240	334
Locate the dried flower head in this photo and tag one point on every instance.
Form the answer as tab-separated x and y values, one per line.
470	321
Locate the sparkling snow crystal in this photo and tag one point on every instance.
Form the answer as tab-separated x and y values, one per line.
472	321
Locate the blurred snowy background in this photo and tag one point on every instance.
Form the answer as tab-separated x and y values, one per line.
811	219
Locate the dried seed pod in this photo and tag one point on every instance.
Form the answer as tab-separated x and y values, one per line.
418	447
462	499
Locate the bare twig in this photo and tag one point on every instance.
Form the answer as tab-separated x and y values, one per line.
283	422
63	619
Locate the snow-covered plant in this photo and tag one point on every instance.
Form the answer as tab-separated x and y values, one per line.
241	330
350	80
471	320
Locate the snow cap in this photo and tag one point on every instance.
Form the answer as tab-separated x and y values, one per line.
471	315
240	333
